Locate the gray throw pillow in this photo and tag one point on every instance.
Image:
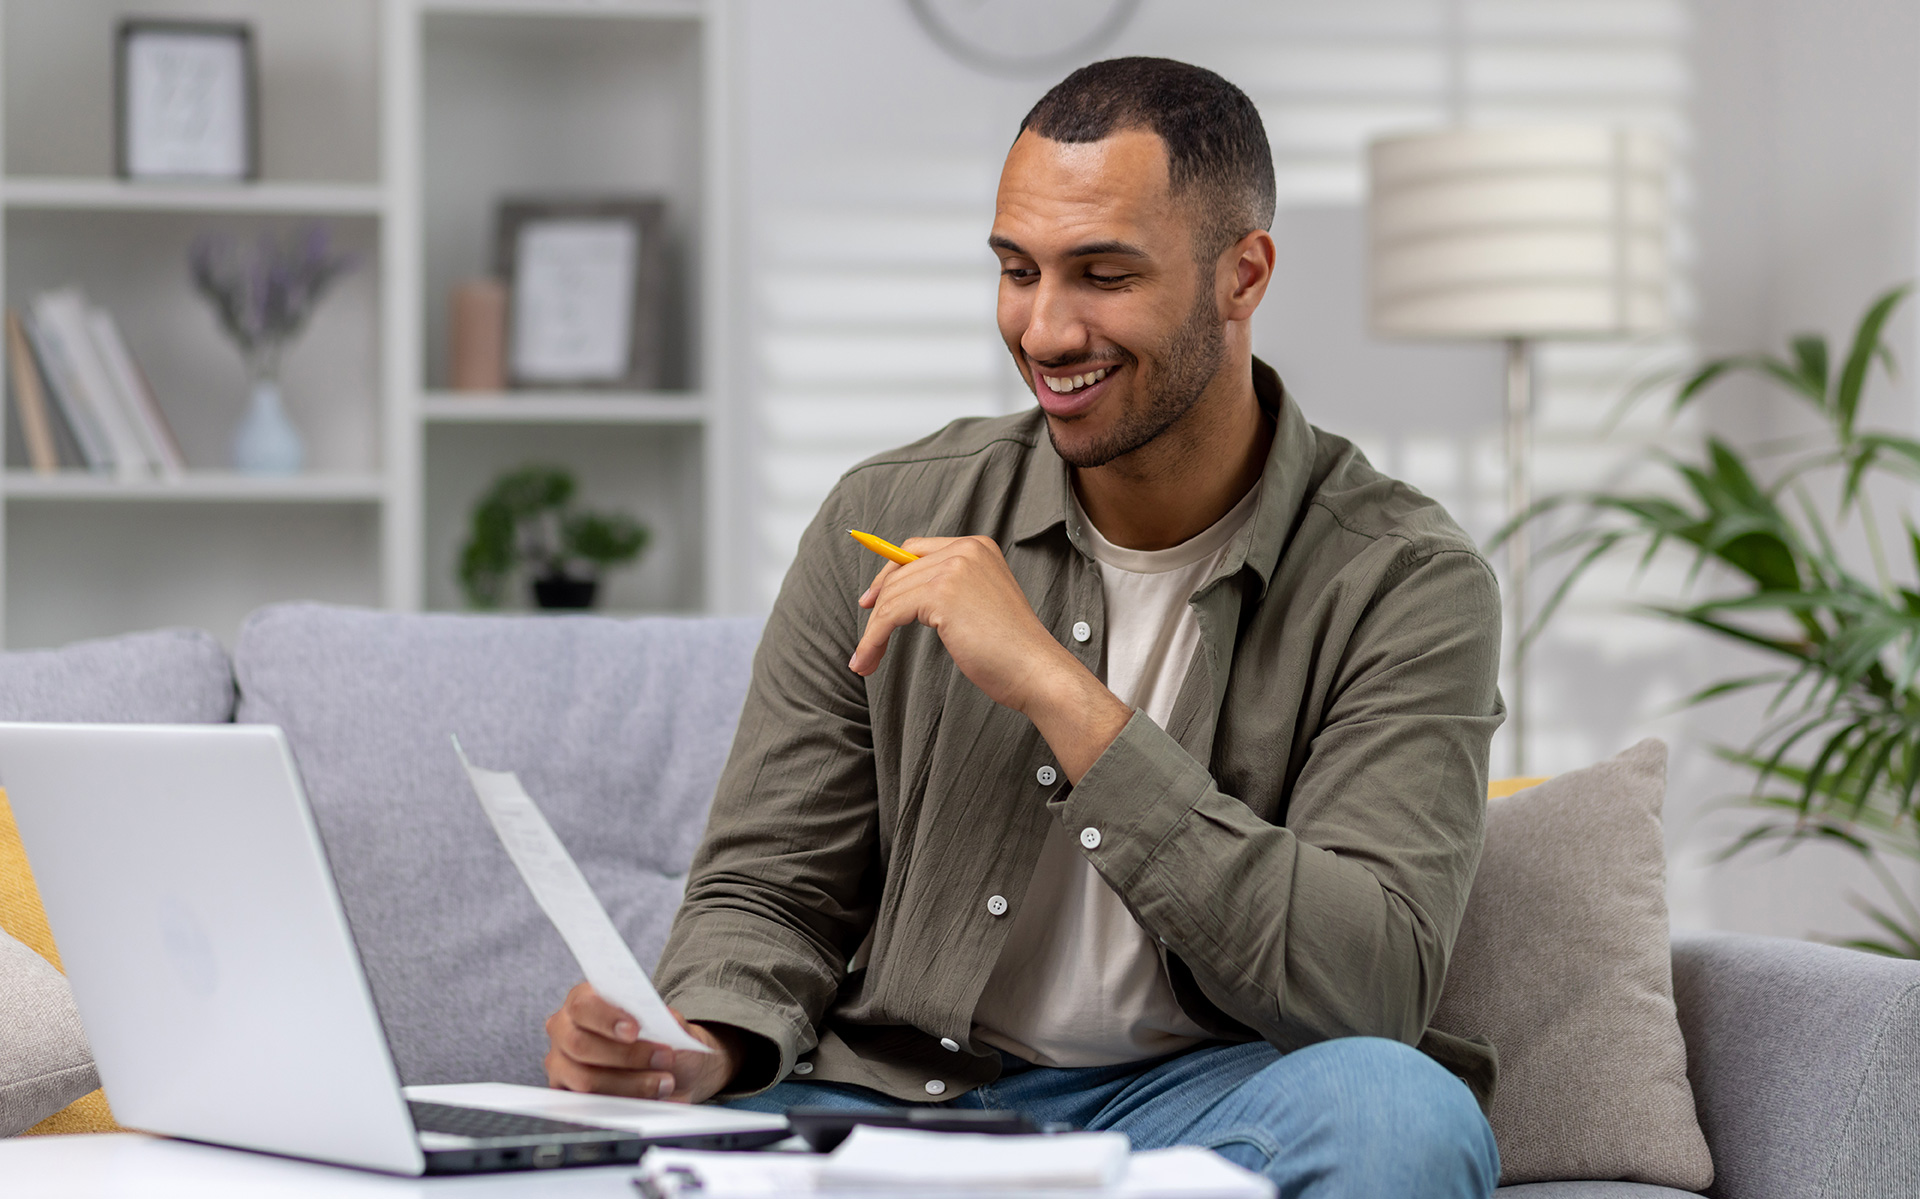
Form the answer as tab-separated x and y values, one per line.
1563	963
166	676
44	1060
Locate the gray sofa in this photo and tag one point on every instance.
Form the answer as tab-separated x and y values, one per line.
1804	1059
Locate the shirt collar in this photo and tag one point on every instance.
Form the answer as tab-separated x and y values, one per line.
1045	498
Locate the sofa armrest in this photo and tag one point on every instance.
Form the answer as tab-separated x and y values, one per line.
1805	1065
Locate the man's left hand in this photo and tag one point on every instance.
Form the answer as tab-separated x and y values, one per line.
962	589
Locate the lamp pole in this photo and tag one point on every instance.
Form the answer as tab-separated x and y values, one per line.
1519	552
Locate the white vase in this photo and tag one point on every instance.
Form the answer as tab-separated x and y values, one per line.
266	443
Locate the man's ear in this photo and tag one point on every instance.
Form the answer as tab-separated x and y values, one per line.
1246	270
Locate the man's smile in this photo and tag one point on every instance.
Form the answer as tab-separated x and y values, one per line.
1070	392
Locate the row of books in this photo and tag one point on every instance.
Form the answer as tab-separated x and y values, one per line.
81	400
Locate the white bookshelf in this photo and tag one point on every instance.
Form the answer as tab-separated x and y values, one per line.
116	195
400	123
196	487
552	408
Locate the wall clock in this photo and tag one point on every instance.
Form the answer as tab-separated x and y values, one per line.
1020	37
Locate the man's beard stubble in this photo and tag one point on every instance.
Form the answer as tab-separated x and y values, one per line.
1188	363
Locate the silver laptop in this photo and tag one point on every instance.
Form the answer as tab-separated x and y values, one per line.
216	977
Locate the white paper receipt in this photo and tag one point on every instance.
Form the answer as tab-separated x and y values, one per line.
562	893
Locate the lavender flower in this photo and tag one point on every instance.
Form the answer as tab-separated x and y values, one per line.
264	295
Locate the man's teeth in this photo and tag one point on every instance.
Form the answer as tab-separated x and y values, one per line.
1065	383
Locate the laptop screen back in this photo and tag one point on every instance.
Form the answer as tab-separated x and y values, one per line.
189	894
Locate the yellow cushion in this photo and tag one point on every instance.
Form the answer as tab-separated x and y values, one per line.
23	919
1501	788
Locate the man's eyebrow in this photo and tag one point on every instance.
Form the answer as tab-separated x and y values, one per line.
1107	249
1092	249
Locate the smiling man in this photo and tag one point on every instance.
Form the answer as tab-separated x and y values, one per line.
1150	796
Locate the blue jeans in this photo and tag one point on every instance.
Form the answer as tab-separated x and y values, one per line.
1358	1116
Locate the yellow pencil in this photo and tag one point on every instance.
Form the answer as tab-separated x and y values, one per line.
886	549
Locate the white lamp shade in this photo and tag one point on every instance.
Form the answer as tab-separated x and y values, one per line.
1527	232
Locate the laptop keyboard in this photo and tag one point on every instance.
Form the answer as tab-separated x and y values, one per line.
481	1124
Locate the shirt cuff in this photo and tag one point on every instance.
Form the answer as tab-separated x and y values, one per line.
1132	799
768	1046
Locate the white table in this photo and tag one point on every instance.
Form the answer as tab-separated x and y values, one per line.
132	1165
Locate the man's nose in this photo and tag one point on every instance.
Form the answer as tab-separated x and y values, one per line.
1056	328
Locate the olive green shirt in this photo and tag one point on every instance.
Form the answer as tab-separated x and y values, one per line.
1300	838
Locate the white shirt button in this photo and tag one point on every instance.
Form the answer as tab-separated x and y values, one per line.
997	905
949	1044
1046	775
936	1087
1090	837
1082	630
803	1067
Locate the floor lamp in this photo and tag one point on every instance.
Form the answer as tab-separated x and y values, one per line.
1518	235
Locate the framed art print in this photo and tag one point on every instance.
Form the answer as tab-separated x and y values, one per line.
585	280
186	100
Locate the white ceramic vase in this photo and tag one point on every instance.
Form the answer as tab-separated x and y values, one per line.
266	443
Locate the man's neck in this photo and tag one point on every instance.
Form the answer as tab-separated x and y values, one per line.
1180	483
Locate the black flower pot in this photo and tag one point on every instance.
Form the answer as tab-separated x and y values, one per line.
562	593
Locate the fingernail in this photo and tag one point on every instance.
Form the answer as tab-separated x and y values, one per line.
624	1030
663	1059
666	1087
852	667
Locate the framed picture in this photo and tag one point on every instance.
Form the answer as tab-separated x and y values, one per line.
585	281
186	100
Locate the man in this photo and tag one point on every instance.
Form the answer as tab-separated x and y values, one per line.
1149	797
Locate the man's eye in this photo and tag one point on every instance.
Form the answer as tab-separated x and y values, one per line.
1019	273
1098	278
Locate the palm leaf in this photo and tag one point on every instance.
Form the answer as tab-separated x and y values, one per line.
1866	347
1810	357
1710	372
1905	942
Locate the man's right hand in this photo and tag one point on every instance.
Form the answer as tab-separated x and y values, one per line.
596	1047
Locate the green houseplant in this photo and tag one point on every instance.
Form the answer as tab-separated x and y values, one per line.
1837	756
527	520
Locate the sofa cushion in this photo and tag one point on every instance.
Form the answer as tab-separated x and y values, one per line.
1563	963
1803	1060
170	676
618	728
1590	1190
44	1060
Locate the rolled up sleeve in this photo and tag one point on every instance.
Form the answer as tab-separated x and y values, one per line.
783	887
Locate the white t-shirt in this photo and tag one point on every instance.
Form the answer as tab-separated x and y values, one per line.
1079	982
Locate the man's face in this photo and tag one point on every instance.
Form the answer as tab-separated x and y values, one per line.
1115	328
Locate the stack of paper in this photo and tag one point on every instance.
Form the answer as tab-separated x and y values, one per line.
903	1157
902	1161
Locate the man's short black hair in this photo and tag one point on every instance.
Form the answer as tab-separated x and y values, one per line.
1217	151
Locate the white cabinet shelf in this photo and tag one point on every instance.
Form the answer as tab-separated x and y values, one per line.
119	195
565	408
401	125
565	8
197	487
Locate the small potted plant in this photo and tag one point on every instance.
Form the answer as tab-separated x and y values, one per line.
527	519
